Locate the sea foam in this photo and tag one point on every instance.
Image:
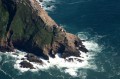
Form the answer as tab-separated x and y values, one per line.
57	61
69	67
47	5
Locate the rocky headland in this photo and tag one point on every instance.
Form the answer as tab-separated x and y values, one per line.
26	26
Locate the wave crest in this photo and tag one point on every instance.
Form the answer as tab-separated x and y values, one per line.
47	5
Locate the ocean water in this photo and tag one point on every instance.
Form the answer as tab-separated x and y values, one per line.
96	21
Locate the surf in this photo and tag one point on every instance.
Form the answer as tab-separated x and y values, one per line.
47	5
70	65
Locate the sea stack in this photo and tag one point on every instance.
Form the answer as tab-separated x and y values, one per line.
25	25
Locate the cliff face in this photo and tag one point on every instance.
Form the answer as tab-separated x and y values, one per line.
26	26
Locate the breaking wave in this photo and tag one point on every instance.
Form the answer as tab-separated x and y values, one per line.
47	5
68	67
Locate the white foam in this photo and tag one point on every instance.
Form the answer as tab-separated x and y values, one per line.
71	72
91	44
47	5
70	67
17	66
83	35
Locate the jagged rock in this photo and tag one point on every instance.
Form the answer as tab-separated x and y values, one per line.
26	26
79	60
33	58
69	59
25	64
73	59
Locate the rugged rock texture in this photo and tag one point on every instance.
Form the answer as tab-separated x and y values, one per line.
26	26
25	64
33	58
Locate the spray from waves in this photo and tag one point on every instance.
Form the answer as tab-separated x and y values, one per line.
47	5
91	43
73	68
68	67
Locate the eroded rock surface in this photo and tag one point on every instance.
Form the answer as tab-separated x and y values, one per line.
25	64
26	26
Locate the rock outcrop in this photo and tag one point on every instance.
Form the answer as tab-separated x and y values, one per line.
25	64
26	26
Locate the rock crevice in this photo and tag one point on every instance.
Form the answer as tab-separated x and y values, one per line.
31	29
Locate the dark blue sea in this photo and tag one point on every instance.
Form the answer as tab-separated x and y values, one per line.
97	22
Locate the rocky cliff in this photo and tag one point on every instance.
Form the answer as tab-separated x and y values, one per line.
24	25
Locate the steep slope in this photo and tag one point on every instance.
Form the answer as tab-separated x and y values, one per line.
26	26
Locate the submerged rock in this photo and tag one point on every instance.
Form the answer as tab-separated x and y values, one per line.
79	60
74	59
26	26
70	59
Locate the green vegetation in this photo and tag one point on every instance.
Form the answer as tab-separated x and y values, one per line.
43	37
4	16
19	23
28	26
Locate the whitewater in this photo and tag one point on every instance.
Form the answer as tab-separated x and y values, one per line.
72	68
47	5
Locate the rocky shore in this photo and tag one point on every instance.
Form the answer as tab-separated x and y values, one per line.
26	61
30	61
26	26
